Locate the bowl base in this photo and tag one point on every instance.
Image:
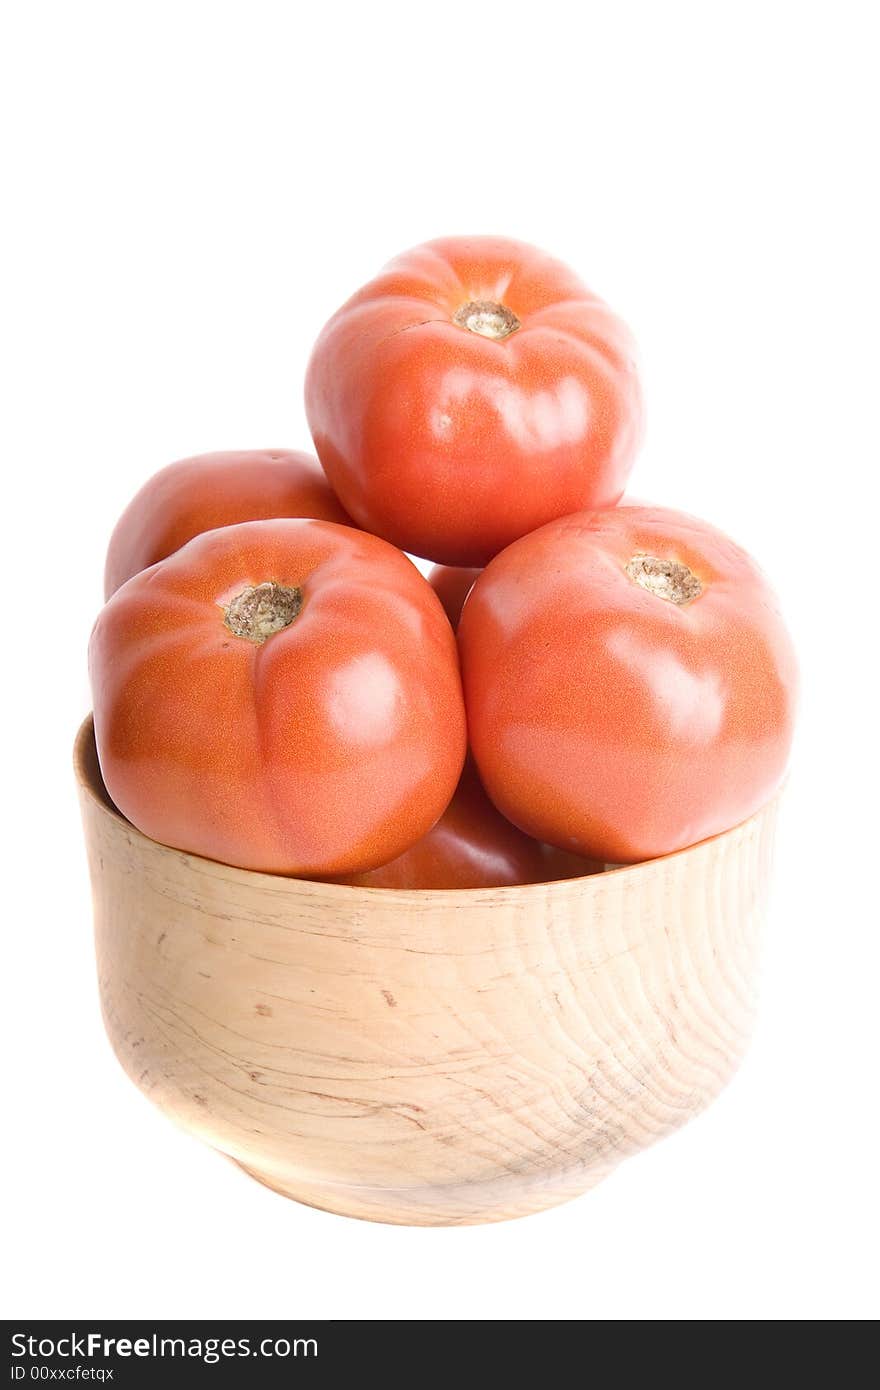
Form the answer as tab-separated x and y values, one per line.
470	1204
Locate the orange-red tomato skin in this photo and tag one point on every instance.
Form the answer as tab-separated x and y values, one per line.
451	444
210	490
611	721
452	584
329	748
472	846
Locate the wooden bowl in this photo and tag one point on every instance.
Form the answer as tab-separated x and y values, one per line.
425	1058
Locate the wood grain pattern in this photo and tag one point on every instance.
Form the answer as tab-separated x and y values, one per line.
435	1058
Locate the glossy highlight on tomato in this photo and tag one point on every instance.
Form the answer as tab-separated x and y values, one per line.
210	490
472	846
629	681
472	392
279	695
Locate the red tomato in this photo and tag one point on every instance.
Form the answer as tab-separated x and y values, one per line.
472	392
472	846
199	494
279	695
452	586
629	683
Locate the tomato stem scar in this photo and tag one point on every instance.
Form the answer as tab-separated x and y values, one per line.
667	579
487	318
259	611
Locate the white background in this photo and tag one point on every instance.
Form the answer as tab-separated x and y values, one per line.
190	190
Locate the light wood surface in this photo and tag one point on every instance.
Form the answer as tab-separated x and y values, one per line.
432	1058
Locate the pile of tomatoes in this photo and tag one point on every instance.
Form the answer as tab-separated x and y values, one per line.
579	682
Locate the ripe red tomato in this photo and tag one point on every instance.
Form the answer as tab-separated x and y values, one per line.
472	392
472	846
199	494
452	585
629	682
279	695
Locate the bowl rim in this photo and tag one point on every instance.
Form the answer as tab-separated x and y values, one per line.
86	762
